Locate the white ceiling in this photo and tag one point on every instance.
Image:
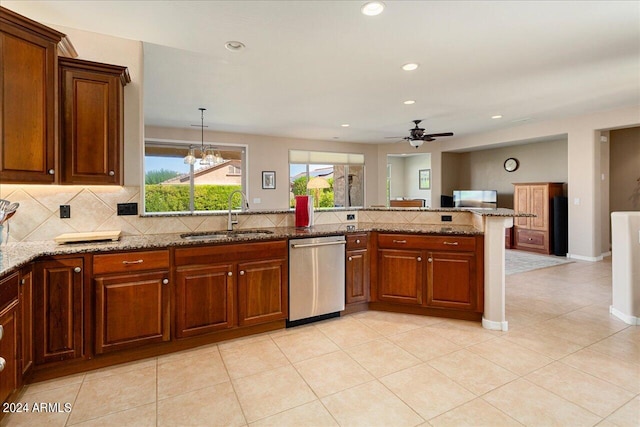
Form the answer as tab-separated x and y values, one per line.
310	66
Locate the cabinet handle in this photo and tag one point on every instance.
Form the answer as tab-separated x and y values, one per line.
51	171
77	269
399	241
430	259
357	240
350	259
242	272
1	332
112	173
230	273
3	363
138	261
450	243
419	258
165	281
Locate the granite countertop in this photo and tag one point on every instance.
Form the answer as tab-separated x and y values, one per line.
16	255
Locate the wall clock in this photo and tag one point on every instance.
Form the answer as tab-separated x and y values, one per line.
511	164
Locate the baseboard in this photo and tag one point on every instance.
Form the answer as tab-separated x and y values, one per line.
495	326
586	258
629	320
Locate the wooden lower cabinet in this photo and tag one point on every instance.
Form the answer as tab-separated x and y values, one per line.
220	287
400	276
451	281
131	310
58	309
204	299
262	291
357	268
26	320
435	272
9	336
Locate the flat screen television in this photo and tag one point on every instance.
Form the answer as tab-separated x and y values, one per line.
482	199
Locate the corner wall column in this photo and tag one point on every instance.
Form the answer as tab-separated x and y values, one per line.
494	316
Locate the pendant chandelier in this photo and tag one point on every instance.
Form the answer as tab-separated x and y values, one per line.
208	155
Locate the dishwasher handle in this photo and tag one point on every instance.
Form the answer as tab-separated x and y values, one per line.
312	245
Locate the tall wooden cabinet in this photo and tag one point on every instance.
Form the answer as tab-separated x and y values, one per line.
91	121
535	233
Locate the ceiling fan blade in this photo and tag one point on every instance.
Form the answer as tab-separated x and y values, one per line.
394	137
435	135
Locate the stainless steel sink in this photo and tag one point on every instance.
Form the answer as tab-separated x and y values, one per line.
224	234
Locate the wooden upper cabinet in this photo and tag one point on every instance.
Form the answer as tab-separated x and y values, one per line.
28	67
91	121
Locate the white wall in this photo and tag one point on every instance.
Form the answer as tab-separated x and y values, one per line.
411	184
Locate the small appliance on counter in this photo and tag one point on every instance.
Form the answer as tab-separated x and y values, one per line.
304	211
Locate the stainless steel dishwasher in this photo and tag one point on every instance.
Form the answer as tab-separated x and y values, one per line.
316	278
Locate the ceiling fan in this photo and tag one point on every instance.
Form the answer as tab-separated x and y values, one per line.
417	136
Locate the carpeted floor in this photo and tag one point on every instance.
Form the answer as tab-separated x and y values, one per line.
520	261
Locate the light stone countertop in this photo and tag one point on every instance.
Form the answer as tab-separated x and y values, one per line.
16	255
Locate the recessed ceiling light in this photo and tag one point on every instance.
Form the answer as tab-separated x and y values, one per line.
234	46
345	125
497	116
410	66
409	102
372	8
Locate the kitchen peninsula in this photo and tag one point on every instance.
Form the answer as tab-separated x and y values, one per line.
157	273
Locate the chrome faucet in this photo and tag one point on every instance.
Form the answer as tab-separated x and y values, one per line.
244	207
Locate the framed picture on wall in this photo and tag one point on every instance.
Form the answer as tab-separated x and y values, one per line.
424	179
268	180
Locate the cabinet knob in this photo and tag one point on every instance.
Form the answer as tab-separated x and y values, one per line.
23	281
1	332
230	273
165	281
112	173
3	363
242	272
419	258
51	172
350	259
357	240
430	259
77	269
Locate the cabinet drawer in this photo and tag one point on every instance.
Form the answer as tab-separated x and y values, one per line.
357	241
130	261
400	241
196	255
9	290
530	238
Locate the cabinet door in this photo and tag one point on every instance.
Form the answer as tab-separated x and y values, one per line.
521	204
357	277
204	299
451	280
400	276
8	351
262	291
131	310
539	205
58	299
91	125
27	98
26	320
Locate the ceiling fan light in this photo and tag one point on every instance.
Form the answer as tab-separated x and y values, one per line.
372	8
416	142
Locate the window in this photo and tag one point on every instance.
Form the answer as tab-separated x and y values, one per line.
170	185
333	179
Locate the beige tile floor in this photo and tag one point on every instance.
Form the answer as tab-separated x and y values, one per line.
564	362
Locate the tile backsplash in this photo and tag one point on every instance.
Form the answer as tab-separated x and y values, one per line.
94	208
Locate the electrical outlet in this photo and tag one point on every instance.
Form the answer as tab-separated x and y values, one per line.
351	217
127	209
65	211
446	218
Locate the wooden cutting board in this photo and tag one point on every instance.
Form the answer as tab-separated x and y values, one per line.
92	236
